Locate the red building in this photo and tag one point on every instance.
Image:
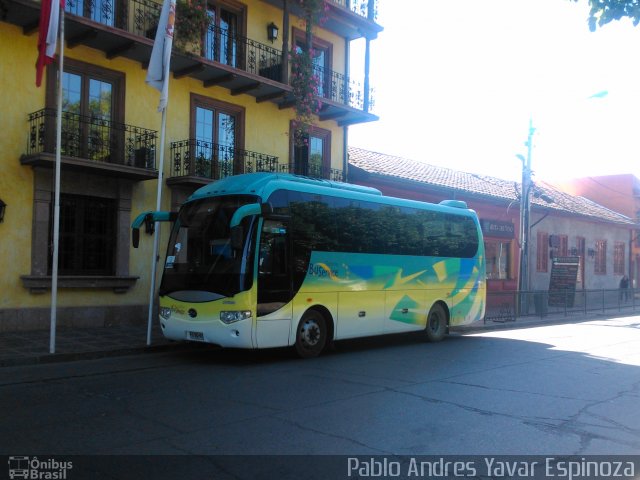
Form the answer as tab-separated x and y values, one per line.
561	224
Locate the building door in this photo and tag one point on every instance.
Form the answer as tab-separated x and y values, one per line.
215	142
311	153
87	129
321	59
221	42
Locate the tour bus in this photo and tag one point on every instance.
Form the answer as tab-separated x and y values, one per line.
264	260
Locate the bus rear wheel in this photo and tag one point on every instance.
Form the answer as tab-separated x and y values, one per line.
311	335
436	323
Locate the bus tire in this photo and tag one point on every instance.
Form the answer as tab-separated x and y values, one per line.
311	334
436	327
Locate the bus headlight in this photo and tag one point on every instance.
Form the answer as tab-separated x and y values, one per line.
232	317
165	312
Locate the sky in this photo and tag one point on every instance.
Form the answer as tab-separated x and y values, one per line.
456	84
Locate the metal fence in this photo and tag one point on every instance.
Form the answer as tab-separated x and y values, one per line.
364	8
199	158
512	305
92	138
313	171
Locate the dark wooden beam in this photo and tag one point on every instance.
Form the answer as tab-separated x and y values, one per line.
82	37
198	67
351	120
31	28
246	88
287	104
331	116
119	50
218	80
270	96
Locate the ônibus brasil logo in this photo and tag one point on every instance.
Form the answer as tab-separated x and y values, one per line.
34	469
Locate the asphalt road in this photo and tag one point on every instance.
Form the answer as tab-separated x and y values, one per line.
564	389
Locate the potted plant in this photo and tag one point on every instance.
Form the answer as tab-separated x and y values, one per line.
192	19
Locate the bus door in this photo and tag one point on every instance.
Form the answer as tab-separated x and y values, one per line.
274	284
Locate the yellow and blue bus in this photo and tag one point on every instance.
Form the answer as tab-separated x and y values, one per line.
266	260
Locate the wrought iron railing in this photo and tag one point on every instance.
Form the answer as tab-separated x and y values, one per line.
198	158
364	8
140	17
241	52
339	88
313	171
509	306
136	16
92	138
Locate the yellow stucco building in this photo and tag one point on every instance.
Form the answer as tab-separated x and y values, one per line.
231	110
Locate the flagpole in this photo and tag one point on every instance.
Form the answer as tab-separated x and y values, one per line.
156	237
158	74
56	203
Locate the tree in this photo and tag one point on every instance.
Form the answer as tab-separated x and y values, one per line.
604	11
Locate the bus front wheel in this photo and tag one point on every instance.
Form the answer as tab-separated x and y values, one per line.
436	323
311	335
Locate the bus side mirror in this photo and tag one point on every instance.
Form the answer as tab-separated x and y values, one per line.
237	237
266	209
135	237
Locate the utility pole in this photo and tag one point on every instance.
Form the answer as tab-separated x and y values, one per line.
525	214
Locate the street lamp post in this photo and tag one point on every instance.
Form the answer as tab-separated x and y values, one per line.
525	213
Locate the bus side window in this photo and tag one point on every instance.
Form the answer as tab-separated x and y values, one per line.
274	281
273	248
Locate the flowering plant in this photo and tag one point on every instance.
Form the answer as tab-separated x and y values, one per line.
304	82
304	79
192	19
313	10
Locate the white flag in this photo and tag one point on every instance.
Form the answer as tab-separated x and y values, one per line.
52	34
47	35
158	72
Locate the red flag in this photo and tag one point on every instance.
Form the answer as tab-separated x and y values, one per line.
47	35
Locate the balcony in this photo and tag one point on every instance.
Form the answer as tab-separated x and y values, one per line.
126	28
241	53
314	171
264	63
197	162
92	145
340	89
350	19
365	8
139	17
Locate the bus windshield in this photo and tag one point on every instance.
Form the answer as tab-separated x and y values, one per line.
201	265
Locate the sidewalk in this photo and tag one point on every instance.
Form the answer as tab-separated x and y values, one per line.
72	344
32	347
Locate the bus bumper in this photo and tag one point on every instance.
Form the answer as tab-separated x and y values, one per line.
235	335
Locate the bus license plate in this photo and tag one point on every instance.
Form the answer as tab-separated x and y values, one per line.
196	336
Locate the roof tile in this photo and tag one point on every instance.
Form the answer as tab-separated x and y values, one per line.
482	185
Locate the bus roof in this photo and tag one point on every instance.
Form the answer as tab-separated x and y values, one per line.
263	184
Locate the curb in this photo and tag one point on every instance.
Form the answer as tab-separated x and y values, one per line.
48	358
531	322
